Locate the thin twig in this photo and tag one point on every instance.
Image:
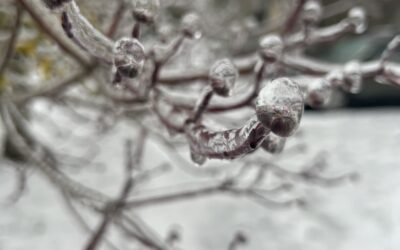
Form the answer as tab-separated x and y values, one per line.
12	39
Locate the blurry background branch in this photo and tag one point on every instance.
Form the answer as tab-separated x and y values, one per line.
164	68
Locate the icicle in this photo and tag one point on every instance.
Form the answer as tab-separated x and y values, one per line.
197	158
280	106
335	78
223	76
273	144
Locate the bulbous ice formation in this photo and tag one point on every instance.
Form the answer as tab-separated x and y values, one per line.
318	93
280	106
352	77
312	12
271	47
358	17
145	10
223	76
128	57
191	25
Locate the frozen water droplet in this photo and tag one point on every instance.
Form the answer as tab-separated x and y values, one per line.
145	10
128	57
358	18
197	158
223	75
318	93
280	106
191	26
197	35
273	144
352	77
271	47
312	12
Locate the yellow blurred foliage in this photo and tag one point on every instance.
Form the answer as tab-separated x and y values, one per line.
45	67
3	82
27	47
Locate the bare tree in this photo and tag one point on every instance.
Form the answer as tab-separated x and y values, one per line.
137	69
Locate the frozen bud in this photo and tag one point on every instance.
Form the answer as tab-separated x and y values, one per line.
271	48
352	77
312	12
145	10
128	57
318	93
191	26
223	75
358	18
55	4
273	144
280	106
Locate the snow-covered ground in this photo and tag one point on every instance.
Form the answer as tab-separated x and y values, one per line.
364	215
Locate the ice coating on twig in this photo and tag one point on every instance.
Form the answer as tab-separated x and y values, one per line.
78	28
228	144
280	106
390	49
128	57
223	76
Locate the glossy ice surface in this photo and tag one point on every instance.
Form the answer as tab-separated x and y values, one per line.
280	106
